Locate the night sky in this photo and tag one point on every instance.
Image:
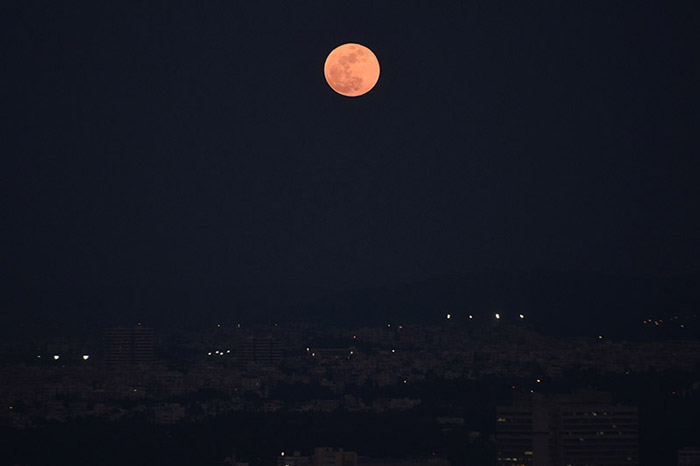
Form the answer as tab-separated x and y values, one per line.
187	143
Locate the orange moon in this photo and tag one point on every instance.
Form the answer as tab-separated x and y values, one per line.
351	70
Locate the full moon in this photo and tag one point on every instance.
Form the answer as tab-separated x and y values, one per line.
351	70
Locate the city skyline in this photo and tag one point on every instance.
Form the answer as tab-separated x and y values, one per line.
375	233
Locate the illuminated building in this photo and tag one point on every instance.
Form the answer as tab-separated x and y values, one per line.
324	456
432	461
689	456
567	430
261	351
129	346
293	459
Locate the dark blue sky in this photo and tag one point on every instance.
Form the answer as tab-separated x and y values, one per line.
172	143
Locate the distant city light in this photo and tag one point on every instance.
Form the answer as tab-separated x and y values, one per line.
38	356
522	316
393	351
600	337
498	316
228	351
282	454
218	325
388	325
56	357
471	316
539	381
86	357
449	316
209	353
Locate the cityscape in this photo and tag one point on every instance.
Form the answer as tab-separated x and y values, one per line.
369	233
478	391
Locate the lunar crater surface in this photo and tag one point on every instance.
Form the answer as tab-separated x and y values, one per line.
351	70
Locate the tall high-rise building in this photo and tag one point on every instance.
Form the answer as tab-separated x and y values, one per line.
324	456
579	429
689	456
129	346
262	351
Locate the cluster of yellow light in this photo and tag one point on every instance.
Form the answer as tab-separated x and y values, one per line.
516	461
56	357
658	322
471	317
